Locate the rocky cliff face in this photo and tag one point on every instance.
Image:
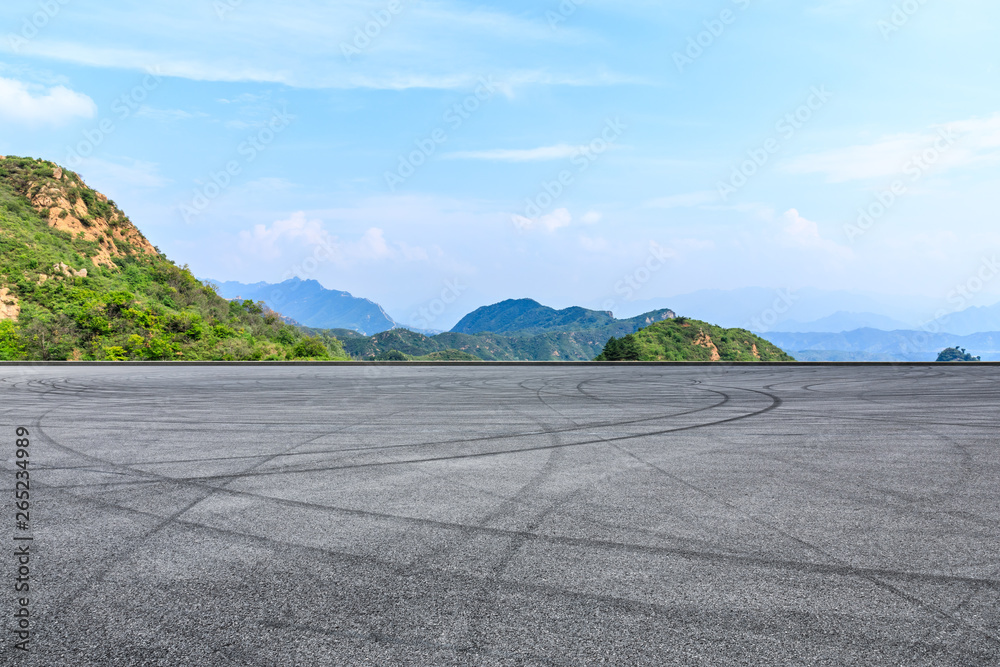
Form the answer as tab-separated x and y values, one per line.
65	201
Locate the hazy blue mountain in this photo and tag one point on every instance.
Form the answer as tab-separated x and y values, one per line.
312	305
972	320
844	321
759	308
528	317
875	345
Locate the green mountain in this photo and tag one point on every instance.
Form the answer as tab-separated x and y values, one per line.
527	317
553	346
79	281
682	339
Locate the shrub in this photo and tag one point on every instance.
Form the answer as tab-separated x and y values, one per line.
310	348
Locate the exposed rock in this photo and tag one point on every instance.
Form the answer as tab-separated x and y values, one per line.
704	340
57	173
9	307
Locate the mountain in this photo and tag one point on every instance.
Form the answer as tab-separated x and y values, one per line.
971	320
760	308
312	305
527	317
875	345
683	339
550	346
79	281
843	321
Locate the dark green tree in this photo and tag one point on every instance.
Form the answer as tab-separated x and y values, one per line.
956	354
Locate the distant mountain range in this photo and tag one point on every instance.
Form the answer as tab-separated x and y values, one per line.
528	317
312	305
875	345
843	321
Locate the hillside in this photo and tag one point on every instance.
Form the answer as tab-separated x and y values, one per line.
683	339
553	346
79	281
527	317
312	305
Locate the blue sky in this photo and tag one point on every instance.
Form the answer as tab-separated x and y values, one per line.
583	153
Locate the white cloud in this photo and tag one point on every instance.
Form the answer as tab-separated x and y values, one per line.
168	115
591	218
559	152
550	222
296	233
36	105
801	233
308	44
973	142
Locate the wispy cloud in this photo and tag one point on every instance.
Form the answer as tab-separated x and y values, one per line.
542	153
972	142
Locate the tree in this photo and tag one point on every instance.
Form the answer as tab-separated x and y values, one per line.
956	354
620	349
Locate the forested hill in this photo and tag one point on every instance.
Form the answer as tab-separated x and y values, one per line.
78	281
528	317
684	339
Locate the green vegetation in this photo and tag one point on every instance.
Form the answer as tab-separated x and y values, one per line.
136	305
624	349
683	339
554	346
949	354
526	317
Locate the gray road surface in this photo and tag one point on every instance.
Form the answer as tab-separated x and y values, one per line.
507	516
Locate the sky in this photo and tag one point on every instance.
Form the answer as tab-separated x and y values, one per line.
583	152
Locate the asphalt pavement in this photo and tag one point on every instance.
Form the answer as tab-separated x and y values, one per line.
505	515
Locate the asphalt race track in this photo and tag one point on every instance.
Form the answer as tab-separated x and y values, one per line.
520	515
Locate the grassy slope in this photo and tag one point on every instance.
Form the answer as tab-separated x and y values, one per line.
133	302
684	339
